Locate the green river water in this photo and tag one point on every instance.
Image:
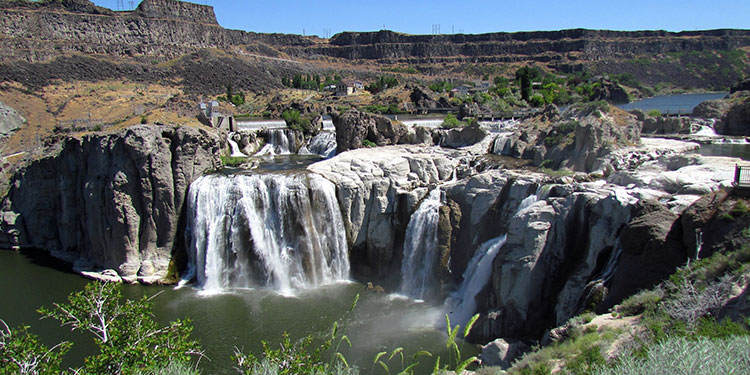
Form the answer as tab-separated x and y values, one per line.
241	318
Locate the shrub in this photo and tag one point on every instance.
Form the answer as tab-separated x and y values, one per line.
144	119
450	122
368	143
654	113
232	161
646	300
679	355
297	122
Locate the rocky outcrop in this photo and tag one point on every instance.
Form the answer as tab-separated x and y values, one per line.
466	136
112	201
424	99
580	139
179	10
743	85
355	127
662	124
711	109
377	190
502	353
610	92
737	120
10	120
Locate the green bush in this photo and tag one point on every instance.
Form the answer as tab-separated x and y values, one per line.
368	143
22	352
297	122
645	300
232	161
450	122
654	113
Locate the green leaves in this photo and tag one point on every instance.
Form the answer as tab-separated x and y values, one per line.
128	337
21	352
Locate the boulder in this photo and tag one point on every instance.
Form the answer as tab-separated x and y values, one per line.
10	120
711	109
737	120
651	251
502	353
466	136
610	92
354	127
740	86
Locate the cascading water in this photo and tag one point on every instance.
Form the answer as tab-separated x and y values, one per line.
278	142
278	231
418	268
235	147
500	143
461	304
323	144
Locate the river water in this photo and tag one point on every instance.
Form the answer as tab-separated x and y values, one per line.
672	104
237	318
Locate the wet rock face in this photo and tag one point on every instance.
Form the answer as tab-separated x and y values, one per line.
113	200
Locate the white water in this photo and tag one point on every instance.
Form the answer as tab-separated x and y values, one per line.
279	231
278	142
323	144
235	147
500	144
461	304
419	266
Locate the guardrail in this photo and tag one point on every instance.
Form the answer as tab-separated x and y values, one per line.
742	176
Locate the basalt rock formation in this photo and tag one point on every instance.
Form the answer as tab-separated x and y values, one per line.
578	139
111	201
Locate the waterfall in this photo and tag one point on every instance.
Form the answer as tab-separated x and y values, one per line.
235	147
278	142
501	142
461	304
278	231
418	268
323	144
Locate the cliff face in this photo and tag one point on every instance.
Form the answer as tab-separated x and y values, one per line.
111	201
151	30
543	46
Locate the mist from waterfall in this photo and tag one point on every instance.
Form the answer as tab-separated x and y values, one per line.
281	231
419	266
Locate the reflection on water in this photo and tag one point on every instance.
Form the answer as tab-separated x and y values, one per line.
238	318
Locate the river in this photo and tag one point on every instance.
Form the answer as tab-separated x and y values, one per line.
238	318
672	104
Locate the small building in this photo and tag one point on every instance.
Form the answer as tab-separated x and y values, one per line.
460	90
214	117
348	87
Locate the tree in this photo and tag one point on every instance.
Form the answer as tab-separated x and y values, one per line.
129	339
21	352
525	76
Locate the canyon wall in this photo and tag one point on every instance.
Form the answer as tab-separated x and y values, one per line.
111	201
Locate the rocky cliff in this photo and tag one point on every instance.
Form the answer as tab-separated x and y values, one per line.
111	201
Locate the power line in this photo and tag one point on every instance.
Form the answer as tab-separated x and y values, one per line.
120	5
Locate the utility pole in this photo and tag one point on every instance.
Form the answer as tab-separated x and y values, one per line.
120	5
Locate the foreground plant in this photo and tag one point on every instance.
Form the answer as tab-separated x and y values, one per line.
21	352
129	339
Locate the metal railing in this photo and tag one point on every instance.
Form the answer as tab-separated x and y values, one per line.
742	176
